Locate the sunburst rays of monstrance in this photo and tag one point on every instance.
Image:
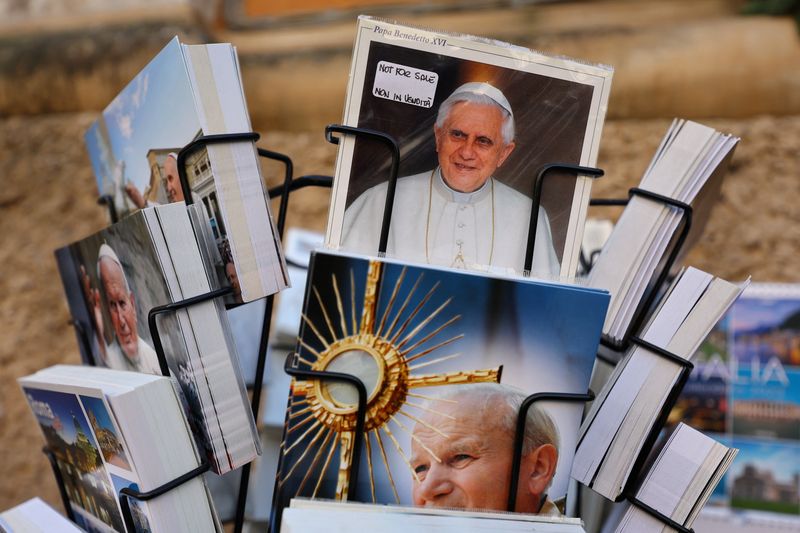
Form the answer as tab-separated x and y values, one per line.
385	353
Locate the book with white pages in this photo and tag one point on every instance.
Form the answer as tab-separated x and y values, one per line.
148	259
35	516
186	92
108	430
689	156
621	418
678	483
326	515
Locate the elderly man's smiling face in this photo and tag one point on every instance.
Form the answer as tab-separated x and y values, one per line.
470	468
470	145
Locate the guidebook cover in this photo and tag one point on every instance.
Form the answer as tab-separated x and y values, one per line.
746	388
447	357
91	456
475	121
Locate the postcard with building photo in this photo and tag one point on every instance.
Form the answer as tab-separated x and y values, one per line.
765	476
765	349
447	358
475	122
134	148
745	388
70	439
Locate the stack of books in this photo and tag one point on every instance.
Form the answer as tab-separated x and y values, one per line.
109	430
622	417
184	93
689	156
679	481
35	516
322	516
447	358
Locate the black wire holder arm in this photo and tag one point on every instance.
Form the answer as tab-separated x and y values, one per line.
292	369
394	149
660	276
83	338
108	201
62	487
536	202
126	493
152	321
637	475
519	433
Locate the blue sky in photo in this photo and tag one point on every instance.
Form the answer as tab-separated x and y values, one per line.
751	313
121	483
155	110
96	406
63	406
780	458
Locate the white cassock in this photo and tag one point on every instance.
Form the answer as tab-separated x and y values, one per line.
146	360
432	223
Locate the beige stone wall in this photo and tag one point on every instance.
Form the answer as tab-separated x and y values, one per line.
694	59
23	11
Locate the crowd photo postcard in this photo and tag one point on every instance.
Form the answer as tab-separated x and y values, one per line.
475	121
447	358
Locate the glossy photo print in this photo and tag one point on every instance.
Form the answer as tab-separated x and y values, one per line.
447	357
475	123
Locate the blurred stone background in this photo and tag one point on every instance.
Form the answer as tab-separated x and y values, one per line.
62	61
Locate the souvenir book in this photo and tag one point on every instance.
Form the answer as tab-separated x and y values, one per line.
447	358
680	479
184	93
35	516
110	429
621	419
115	277
688	166
475	121
745	391
326	516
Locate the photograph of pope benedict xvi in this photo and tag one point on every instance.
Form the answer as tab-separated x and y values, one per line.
468	163
467	216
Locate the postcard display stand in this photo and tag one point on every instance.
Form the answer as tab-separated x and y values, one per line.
289	184
291	364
